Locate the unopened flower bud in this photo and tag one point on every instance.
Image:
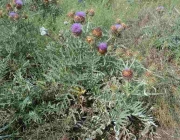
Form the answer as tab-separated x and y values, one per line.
71	14
90	40
97	32
127	74
8	7
1	13
118	21
91	12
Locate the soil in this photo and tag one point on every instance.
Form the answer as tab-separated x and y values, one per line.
168	134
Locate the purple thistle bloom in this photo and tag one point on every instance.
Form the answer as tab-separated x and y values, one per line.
103	46
19	2
12	14
118	26
80	14
76	29
160	8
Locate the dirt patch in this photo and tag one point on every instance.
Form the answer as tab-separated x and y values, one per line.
168	134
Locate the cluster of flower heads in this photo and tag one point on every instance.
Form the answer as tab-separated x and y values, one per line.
12	10
17	4
80	16
118	27
78	19
76	29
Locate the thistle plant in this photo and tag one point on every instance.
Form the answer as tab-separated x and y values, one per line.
67	83
94	107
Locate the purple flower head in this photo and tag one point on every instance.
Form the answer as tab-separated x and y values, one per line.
103	46
76	28
118	26
81	14
160	8
126	68
19	2
12	14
